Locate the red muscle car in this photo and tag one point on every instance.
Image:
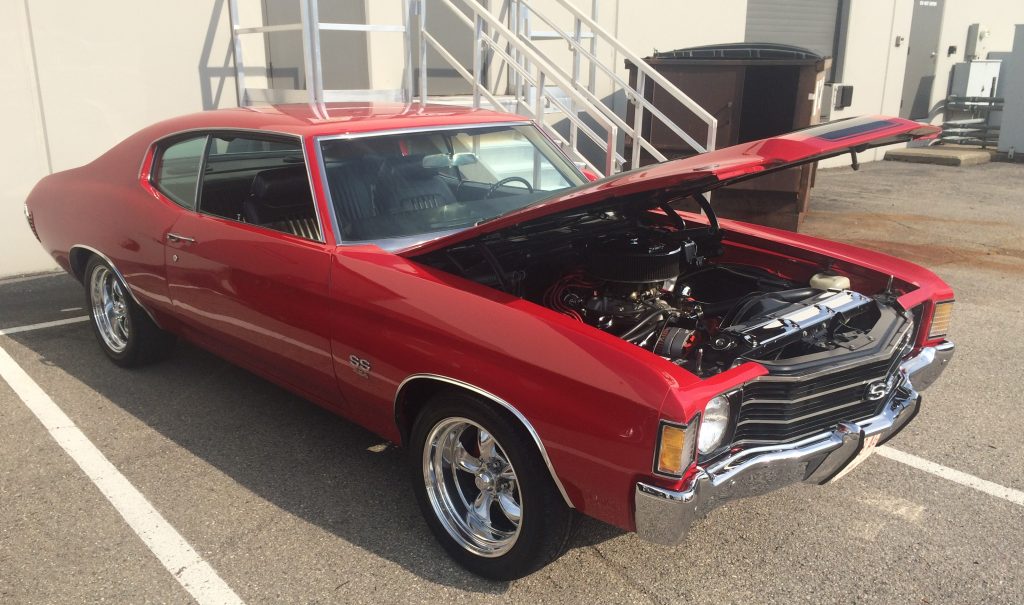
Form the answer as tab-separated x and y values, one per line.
541	344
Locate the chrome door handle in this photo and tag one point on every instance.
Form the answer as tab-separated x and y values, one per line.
174	237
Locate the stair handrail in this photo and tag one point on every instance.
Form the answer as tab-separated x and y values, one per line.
643	67
538	114
598	111
634	95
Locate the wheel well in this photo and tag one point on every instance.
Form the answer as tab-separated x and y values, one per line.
414	393
78	258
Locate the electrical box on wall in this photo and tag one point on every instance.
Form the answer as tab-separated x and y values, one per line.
975	79
977	42
842	96
835	97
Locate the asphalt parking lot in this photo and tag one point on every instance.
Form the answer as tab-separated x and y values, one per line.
288	503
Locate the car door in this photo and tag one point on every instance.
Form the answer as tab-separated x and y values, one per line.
248	271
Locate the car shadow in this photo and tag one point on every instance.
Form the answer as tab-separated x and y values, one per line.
284	449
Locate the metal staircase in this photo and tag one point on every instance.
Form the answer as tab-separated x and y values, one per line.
511	68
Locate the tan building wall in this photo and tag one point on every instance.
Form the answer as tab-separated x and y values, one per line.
997	16
23	157
81	76
873	64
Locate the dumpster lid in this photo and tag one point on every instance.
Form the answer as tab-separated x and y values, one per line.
744	51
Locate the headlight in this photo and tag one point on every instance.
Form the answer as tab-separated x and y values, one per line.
940	320
713	425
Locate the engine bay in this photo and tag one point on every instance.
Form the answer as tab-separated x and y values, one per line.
662	286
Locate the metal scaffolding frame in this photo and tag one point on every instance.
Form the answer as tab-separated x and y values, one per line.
503	43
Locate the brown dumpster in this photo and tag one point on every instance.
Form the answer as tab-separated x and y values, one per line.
755	91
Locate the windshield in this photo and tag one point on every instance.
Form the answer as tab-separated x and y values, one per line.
409	184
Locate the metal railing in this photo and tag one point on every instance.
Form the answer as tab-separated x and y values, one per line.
530	67
635	94
310	28
504	43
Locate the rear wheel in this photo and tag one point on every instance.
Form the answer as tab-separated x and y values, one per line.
125	332
484	489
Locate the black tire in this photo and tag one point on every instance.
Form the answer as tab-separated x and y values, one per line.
546	521
143	342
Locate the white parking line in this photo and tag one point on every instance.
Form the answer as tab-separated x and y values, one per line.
993	489
174	552
176	555
45	324
23	278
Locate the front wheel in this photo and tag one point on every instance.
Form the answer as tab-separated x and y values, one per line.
484	489
125	332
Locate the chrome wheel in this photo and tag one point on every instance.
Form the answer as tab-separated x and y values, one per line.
109	308
472	487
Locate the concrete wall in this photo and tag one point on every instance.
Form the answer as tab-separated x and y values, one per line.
81	76
1011	134
23	159
997	16
872	62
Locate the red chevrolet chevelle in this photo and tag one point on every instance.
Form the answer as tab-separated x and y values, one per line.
540	343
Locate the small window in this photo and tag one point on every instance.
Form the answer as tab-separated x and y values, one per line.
177	171
261	180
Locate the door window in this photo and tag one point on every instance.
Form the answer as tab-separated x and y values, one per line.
176	173
261	180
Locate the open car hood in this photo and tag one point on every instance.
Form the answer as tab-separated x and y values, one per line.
711	170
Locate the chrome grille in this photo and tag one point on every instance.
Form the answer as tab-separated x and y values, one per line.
784	408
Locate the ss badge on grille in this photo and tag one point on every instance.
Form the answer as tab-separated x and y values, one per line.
880	388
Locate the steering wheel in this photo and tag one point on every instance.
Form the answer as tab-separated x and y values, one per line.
508	179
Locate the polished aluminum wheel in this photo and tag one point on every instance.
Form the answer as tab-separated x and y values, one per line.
109	308
472	487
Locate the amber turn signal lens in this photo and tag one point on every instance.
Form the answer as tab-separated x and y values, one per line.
940	320
671	455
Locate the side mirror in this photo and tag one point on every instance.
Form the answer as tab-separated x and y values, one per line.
590	174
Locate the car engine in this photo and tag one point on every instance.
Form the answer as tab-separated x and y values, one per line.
662	288
650	291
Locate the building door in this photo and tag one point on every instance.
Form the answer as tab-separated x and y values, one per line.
809	24
922	51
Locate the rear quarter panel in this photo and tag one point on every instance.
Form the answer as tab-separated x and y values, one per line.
103	206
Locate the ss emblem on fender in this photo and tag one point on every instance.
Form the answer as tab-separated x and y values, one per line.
880	388
359	365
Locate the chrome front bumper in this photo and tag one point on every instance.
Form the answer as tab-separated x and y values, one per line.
664	516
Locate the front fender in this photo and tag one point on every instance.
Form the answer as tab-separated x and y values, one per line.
592	399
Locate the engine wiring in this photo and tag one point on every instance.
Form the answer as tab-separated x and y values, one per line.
555	296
